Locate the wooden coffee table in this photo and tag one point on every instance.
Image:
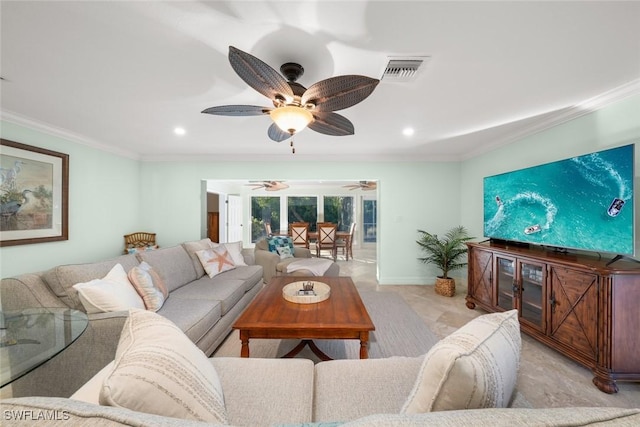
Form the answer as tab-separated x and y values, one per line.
342	316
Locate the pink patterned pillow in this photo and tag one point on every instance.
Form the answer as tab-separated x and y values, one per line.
142	281
157	280
215	260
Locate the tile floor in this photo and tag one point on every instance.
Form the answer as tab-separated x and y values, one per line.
546	378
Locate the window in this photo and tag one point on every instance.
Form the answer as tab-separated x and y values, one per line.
339	210
303	209
369	215
264	210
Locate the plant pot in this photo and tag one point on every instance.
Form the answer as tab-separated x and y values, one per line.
445	287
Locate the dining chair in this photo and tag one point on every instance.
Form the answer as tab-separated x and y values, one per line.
327	239
300	234
346	242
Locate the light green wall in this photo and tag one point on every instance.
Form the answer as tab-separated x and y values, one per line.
103	206
411	196
110	195
615	125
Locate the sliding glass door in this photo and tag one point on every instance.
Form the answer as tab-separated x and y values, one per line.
264	210
339	210
303	209
369	220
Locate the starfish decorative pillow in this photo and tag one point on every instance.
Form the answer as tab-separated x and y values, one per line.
215	260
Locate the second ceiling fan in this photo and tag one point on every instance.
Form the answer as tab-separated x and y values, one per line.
294	106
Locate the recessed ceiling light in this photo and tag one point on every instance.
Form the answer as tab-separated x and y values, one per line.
408	131
179	131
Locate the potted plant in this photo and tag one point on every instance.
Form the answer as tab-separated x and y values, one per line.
446	254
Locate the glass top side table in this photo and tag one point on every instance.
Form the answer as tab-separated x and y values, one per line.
30	337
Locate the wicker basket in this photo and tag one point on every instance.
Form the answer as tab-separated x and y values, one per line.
445	287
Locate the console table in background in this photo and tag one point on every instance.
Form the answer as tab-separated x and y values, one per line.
576	304
32	336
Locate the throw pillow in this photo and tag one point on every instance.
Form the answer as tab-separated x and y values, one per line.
113	292
278	241
215	260
474	367
158	370
284	252
143	283
235	250
157	280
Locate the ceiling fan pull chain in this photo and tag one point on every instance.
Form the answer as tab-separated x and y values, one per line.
293	149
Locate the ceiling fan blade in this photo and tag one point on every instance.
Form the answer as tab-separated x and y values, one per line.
276	186
259	75
277	134
338	93
238	110
331	124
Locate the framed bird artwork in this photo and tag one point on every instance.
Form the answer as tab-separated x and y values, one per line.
34	194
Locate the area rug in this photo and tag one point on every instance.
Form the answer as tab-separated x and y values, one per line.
399	332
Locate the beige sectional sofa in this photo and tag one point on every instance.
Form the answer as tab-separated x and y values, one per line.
203	308
466	379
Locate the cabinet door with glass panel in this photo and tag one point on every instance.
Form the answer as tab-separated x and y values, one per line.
521	285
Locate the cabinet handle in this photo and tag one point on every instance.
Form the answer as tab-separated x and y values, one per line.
552	301
515	287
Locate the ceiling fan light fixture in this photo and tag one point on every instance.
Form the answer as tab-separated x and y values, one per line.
290	118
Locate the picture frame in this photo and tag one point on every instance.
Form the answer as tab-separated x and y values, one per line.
34	194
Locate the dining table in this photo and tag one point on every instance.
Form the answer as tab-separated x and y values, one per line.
313	235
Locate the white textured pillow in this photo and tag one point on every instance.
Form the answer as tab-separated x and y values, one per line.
284	252
158	370
143	283
474	367
215	260
235	250
113	292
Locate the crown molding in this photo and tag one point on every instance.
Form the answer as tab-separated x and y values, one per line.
580	109
49	129
588	106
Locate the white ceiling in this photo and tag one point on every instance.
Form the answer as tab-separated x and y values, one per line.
121	75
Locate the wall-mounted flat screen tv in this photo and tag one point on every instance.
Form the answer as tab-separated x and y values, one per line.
584	203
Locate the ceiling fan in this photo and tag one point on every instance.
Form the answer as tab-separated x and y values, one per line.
363	185
269	185
294	106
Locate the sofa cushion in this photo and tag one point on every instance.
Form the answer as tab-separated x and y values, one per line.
113	292
264	392
215	260
194	317
474	367
192	248
173	264
281	267
225	290
62	278
158	370
350	389
508	417
250	275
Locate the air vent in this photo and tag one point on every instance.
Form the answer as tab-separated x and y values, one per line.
403	69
